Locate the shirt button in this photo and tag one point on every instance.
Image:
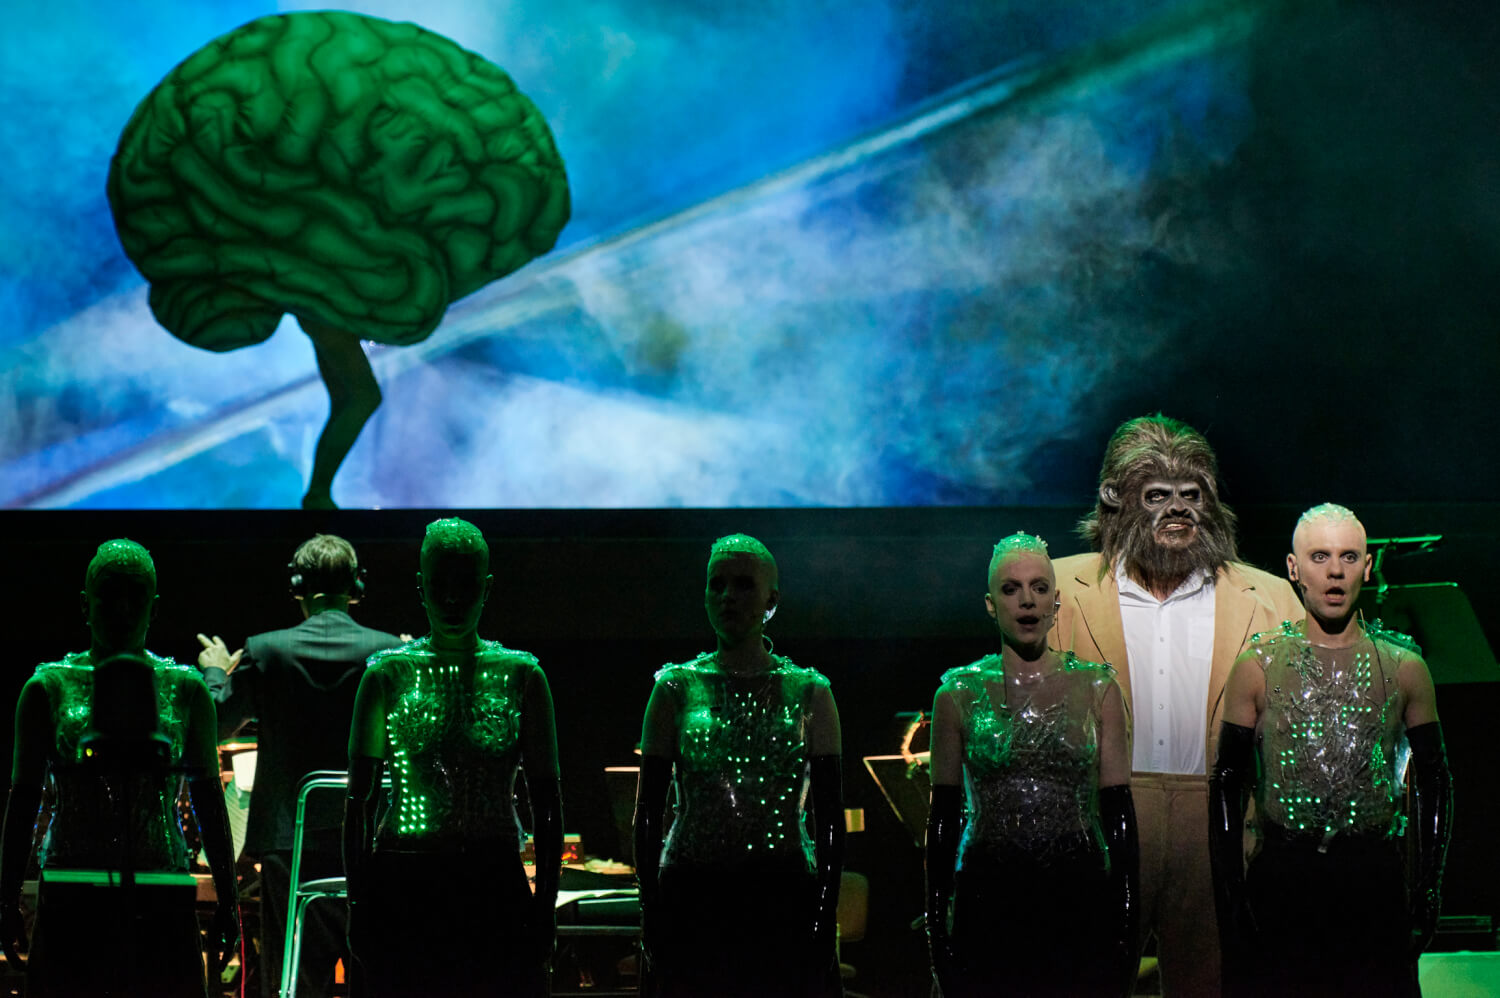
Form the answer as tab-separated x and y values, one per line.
1160	742
1161	706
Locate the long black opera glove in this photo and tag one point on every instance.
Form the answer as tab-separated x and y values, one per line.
207	794
944	828
547	839
1228	787
650	819
359	830
828	831
1432	814
15	853
1117	818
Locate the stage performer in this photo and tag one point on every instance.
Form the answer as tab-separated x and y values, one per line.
438	899
1166	602
115	729
298	685
741	899
1315	716
1043	897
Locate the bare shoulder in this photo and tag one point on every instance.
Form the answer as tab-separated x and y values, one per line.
1412	671
36	692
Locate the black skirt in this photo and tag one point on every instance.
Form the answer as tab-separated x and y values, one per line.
131	942
435	923
739	933
1332	922
1033	930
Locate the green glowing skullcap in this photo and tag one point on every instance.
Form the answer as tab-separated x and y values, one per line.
120	557
1017	543
744	544
1328	512
453	536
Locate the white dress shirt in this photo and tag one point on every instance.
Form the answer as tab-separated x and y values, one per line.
1169	646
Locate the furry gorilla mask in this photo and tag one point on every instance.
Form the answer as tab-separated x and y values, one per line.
1159	449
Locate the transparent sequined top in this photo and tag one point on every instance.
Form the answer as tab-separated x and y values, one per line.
90	822
742	763
453	744
1031	760
1331	732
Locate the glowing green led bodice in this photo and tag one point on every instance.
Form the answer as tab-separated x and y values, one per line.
742	763
1031	759
453	730
1329	733
95	814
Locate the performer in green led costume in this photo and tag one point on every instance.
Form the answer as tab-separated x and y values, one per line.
113	730
1034	892
1316	717
741	898
439	901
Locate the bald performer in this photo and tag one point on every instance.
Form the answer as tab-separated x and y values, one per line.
1317	714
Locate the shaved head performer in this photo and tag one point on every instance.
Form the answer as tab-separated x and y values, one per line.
1315	717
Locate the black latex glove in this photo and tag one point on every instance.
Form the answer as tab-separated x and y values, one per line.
1432	817
650	818
547	837
1117	818
828	831
944	828
1228	789
15	852
224	936
207	795
359	831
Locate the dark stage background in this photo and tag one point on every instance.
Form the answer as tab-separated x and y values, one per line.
881	600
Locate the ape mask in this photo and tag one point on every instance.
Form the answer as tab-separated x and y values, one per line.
1158	511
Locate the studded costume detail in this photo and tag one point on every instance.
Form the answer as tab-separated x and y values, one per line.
1031	758
1331	733
742	763
454	731
97	815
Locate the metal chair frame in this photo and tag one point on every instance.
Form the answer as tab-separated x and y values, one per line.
304	894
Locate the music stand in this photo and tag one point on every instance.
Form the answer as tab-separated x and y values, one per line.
906	788
1439	617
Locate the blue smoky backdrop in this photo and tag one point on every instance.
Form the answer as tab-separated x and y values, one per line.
829	252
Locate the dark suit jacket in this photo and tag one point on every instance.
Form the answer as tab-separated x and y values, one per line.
299	684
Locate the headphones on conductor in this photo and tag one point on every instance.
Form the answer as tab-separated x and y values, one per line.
301	587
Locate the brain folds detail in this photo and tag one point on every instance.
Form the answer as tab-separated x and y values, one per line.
355	172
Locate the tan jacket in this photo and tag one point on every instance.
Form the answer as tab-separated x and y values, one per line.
1246	602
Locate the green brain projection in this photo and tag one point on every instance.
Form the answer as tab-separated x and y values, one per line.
356	173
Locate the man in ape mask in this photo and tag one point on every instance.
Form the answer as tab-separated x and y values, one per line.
1164	600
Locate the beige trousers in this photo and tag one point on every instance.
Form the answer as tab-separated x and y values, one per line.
1177	900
